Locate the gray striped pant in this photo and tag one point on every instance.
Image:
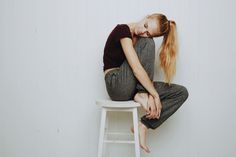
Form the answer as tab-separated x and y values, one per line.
122	85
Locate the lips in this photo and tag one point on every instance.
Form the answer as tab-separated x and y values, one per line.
139	33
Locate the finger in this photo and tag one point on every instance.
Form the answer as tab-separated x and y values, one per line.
148	116
159	113
156	115
152	113
155	112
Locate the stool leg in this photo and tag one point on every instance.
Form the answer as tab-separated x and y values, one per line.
106	135
102	132
136	133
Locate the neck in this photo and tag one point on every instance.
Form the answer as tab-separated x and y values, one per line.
131	27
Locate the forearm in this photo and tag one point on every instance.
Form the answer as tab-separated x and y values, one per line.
144	79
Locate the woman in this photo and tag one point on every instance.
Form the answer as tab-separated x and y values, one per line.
129	57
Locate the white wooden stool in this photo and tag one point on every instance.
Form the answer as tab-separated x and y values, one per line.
118	106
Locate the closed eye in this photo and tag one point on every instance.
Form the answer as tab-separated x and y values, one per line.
146	26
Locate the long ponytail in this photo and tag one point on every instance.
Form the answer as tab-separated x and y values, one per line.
168	52
169	47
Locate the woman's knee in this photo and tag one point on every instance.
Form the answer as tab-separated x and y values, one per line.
184	92
145	49
180	91
146	42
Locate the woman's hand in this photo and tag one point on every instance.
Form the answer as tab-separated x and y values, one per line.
158	106
152	112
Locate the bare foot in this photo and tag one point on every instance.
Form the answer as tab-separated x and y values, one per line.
142	98
142	136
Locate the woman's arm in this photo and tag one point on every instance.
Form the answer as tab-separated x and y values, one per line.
137	67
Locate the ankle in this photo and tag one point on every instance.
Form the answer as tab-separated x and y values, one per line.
143	93
143	126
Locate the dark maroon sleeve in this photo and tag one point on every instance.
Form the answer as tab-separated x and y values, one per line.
122	31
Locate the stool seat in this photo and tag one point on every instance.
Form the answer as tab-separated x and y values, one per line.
117	104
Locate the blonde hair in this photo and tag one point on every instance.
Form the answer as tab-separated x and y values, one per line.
169	47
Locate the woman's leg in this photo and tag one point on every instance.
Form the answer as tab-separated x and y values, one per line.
145	49
172	97
121	83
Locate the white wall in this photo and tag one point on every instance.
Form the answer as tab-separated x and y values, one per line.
51	74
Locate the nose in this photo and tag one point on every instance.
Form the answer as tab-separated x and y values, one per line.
143	31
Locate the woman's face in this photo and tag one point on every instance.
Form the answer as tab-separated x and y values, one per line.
146	28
